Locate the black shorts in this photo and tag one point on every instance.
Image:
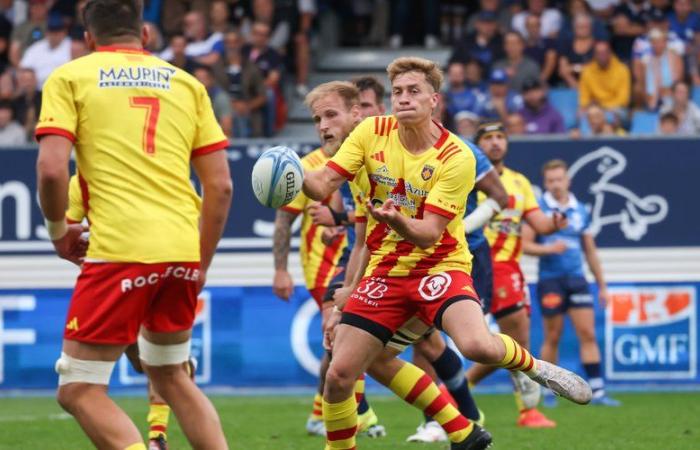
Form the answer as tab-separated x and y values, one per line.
482	274
557	295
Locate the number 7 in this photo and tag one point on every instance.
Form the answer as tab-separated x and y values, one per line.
152	107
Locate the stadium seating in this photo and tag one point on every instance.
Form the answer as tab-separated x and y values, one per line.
644	122
566	102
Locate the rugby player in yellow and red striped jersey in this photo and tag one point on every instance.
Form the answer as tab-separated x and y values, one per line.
420	175
137	124
510	304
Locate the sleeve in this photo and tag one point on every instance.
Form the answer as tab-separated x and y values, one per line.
351	155
586	220
209	136
76	211
448	197
59	115
483	165
530	199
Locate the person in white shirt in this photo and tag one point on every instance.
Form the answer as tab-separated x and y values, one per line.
11	132
49	53
202	45
550	19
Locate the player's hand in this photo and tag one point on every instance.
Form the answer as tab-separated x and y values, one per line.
559	220
321	215
329	329
557	248
341	295
282	284
329	235
73	245
603	297
386	213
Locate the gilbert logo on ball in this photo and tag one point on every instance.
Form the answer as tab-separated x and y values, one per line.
277	177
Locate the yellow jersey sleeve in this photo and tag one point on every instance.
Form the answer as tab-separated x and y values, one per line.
448	197
297	205
76	210
351	155
530	201
59	114
209	136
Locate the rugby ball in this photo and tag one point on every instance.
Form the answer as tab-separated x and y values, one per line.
277	177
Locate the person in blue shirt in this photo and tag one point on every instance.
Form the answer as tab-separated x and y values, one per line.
562	286
683	21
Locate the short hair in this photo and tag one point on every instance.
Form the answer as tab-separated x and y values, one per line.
367	82
347	91
554	164
669	117
110	21
431	69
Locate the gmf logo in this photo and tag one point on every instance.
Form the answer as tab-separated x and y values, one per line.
650	333
434	286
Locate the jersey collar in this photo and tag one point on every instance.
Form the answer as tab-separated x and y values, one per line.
119	49
552	203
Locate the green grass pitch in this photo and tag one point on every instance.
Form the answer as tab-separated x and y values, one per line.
645	421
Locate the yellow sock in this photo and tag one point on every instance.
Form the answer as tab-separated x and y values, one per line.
341	423
158	416
139	446
415	387
516	357
317	411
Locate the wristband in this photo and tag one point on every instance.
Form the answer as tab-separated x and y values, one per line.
340	218
57	229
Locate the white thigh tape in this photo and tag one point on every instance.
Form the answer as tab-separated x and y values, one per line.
73	370
163	355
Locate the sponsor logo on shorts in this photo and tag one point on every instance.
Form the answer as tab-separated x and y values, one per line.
582	299
433	287
551	300
185	273
374	288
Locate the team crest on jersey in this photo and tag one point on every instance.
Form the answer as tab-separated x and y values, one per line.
427	172
136	76
433	287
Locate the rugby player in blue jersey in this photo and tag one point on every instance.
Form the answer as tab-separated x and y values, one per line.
562	286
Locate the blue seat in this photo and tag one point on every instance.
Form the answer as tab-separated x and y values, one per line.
644	122
565	101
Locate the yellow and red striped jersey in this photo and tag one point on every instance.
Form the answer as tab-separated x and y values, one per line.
504	229
136	122
437	180
359	186
320	261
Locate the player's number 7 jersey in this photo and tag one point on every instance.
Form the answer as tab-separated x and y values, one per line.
136	122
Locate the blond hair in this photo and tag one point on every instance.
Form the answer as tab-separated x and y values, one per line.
554	164
347	91
431	69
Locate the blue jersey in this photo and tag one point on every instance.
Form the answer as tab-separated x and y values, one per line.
569	263
483	165
349	205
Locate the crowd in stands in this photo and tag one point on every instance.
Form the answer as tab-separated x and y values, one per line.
583	67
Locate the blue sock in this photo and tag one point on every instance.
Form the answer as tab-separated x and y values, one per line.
363	406
449	369
595	379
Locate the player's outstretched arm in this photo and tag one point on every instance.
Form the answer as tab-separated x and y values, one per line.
217	191
490	184
282	284
533	248
424	232
319	184
591	252
542	224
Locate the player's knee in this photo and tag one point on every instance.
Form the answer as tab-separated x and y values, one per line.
587	336
339	379
65	398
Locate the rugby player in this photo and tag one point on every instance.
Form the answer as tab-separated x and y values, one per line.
420	175
562	287
137	123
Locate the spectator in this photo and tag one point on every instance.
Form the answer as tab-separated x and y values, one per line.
474	78
485	45
26	99
29	32
201	44
403	14
578	52
5	32
599	29
220	101
457	97
628	23
246	87
11	132
301	29
642	45
500	100
515	124
466	123
684	22
687	113
452	19
155	38
219	16
541	50
539	115
371	94
277	18
598	124
503	16
174	12
550	19
517	66
47	54
668	124
656	72
78	47
178	52
605	81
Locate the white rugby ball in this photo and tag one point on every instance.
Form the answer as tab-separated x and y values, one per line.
277	176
